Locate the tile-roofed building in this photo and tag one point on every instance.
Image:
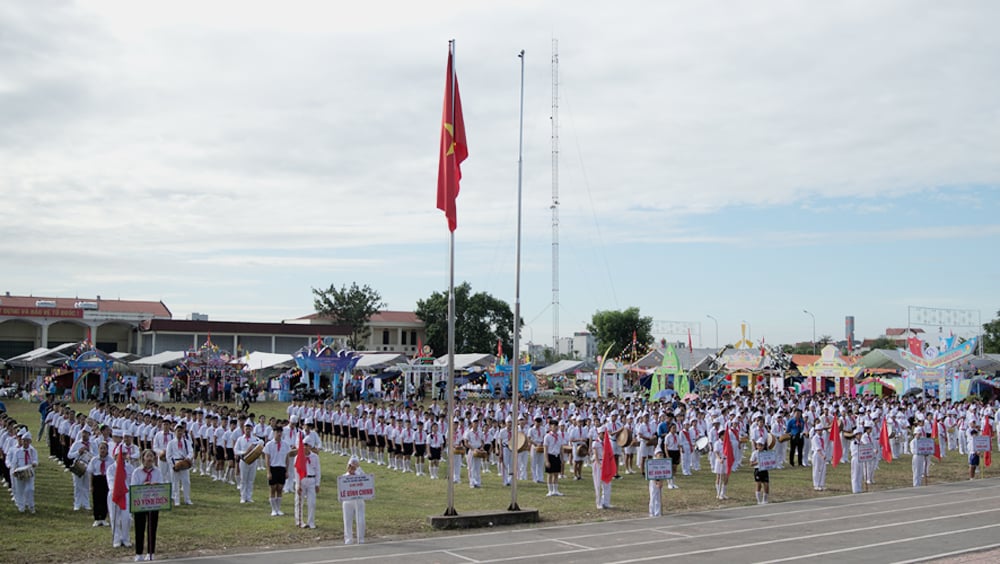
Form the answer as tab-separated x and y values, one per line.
391	331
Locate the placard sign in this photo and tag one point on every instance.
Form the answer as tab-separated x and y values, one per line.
149	497
767	459
866	453
981	443
355	486
659	469
925	447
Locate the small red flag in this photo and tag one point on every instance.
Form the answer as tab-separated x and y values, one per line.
937	442
838	446
690	346
727	451
609	466
883	441
300	459
453	149
916	347
988	432
118	496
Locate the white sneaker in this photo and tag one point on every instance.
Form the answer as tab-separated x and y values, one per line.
274	513
139	558
96	524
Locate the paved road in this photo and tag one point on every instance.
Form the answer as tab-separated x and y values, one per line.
904	525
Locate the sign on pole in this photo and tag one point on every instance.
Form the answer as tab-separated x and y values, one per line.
355	486
149	497
981	443
925	447
866	453
659	469
767	459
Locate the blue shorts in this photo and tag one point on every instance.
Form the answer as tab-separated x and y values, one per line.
973	459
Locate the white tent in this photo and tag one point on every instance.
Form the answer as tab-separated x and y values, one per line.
165	358
379	361
261	360
467	360
561	367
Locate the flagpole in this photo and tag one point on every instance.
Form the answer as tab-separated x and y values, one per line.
515	373
450	510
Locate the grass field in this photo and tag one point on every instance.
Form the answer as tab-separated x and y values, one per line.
218	522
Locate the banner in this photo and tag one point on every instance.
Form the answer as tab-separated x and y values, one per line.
355	486
767	459
659	469
924	447
150	497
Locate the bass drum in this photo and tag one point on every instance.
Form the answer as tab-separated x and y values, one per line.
521	443
582	450
701	445
624	437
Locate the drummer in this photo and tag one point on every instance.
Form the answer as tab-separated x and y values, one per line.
24	460
244	444
82	452
536	435
761	479
553	444
180	455
579	436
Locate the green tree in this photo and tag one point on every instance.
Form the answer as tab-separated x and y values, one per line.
615	328
480	319
991	336
353	307
884	343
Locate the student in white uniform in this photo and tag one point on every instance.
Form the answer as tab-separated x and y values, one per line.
306	490
354	510
180	451
244	445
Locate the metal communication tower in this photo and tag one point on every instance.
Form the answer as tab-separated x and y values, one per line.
555	194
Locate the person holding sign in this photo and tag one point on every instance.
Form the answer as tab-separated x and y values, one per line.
761	478
146	522
354	509
973	453
919	463
656	490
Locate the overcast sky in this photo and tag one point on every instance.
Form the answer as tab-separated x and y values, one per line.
743	160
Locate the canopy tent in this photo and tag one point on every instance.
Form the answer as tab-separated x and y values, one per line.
43	357
561	367
260	360
468	361
885	358
165	358
379	361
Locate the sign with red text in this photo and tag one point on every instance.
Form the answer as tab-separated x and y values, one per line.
767	459
981	443
659	469
866	453
925	447
149	497
355	486
13	311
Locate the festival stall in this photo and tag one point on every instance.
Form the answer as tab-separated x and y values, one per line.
831	373
325	366
204	372
669	375
935	369
743	364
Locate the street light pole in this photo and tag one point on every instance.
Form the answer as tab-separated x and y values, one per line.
809	313
716	330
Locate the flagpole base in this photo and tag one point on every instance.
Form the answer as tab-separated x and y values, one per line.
484	519
513	507
450	512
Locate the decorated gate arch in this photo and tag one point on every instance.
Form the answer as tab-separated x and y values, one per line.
338	365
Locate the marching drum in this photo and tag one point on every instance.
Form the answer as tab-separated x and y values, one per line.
581	450
79	467
182	464
521	443
624	437
479	453
458	450
24	472
702	445
254	453
785	438
770	442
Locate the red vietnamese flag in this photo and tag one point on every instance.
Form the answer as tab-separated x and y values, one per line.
883	441
915	346
300	459
988	432
838	446
453	148
937	441
118	496
690	346
727	451
609	466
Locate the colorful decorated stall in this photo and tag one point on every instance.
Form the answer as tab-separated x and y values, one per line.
93	363
935	368
831	373
326	365
208	369
744	364
498	380
669	373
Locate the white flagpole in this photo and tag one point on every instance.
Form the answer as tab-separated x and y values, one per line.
450	510
515	371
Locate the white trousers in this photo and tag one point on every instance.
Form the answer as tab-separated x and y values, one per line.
857	476
655	499
919	466
475	469
306	501
178	480
537	466
602	491
247	474
354	514
522	465
819	470
24	492
81	490
121	521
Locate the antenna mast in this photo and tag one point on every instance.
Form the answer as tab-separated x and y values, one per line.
555	195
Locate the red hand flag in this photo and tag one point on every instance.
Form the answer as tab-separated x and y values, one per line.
690	347
988	432
916	347
121	488
937	442
453	148
727	451
838	446
300	459
609	466
883	441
